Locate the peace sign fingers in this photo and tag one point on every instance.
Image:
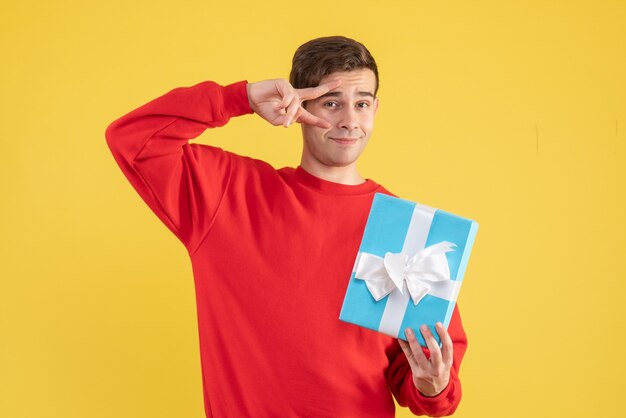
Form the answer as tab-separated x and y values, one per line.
311	93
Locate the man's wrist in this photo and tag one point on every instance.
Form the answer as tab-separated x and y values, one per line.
430	391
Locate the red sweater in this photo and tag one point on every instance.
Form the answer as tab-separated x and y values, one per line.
272	252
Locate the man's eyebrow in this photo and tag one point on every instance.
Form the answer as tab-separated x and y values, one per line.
339	94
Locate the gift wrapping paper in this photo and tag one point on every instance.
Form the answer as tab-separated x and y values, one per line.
416	256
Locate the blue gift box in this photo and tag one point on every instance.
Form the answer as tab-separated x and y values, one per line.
409	267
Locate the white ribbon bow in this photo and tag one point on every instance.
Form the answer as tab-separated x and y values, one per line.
426	270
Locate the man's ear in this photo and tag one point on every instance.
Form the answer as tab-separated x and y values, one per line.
376	105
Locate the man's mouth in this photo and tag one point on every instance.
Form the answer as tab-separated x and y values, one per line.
344	140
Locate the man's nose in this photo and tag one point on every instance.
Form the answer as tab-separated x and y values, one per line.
349	119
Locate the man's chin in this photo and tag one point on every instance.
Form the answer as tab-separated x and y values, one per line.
342	162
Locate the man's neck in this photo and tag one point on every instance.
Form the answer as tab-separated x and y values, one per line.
347	175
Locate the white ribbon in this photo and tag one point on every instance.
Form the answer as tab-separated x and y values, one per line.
425	272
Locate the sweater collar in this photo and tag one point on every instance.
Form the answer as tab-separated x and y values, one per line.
307	179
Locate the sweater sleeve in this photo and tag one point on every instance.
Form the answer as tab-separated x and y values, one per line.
182	183
400	379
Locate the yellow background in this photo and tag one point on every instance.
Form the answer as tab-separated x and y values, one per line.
510	113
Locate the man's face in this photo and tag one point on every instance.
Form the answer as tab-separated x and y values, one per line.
350	109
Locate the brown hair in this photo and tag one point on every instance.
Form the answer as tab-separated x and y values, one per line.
323	56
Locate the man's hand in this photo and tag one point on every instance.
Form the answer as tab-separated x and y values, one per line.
430	376
279	103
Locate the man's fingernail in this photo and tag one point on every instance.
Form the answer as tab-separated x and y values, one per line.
409	331
424	327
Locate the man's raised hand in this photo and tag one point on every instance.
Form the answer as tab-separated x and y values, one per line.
279	103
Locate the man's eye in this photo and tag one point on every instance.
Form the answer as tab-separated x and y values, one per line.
363	105
331	104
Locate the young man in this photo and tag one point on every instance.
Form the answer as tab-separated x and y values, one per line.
272	250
